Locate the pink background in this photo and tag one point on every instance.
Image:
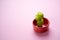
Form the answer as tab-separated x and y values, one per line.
16	18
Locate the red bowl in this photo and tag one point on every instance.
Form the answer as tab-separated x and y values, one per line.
44	27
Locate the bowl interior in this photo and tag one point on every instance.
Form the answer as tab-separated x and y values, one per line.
46	22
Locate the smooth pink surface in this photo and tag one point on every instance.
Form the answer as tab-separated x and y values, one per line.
16	18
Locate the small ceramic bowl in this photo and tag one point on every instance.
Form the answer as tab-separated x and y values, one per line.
44	27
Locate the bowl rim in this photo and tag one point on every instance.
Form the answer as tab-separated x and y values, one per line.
43	24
